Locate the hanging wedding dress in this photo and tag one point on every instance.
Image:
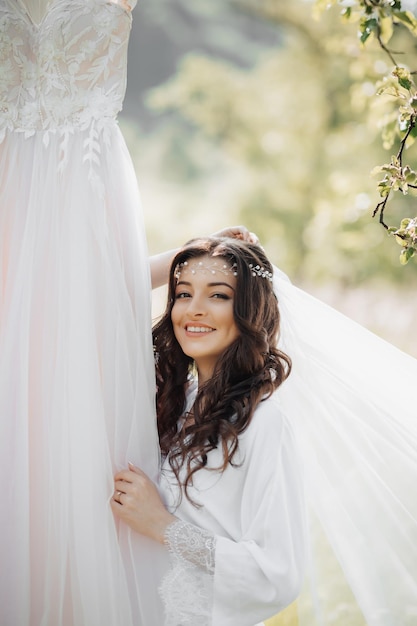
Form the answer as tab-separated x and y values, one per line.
76	363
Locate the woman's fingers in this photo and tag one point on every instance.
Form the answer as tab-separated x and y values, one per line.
237	232
133	485
137	502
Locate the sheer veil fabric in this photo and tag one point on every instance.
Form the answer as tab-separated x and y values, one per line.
352	398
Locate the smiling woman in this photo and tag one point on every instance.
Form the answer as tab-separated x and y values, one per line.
250	453
230	478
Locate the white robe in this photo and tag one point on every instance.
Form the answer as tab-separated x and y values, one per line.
255	510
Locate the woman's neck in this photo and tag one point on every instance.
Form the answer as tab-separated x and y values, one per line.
203	374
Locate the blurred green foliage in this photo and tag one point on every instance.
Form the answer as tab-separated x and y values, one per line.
378	20
296	135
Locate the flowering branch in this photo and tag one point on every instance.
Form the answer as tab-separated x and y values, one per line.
377	19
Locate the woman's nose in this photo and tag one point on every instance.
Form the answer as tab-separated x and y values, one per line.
196	307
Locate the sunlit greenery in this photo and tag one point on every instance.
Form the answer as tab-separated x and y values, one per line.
298	130
377	21
282	137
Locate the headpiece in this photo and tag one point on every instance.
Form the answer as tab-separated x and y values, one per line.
212	266
257	270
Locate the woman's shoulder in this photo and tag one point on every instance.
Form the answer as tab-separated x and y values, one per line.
270	410
269	424
268	439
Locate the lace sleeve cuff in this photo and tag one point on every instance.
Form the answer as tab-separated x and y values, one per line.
191	543
188	586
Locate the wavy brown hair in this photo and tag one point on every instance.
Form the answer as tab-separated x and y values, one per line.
248	371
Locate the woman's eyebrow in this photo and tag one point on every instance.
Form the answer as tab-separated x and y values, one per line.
219	284
215	284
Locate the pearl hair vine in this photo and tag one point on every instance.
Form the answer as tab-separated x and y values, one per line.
257	270
212	267
201	266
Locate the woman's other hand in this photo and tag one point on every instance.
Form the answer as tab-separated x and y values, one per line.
237	232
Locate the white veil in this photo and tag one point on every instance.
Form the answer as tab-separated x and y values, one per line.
352	398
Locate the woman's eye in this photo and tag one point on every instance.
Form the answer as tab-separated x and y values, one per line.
181	295
222	296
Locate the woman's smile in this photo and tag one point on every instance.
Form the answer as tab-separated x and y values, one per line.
193	329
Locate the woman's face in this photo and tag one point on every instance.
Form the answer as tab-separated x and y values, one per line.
202	315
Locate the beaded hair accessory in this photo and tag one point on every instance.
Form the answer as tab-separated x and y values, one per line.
214	266
201	266
257	270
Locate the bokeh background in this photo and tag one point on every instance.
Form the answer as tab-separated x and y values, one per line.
256	112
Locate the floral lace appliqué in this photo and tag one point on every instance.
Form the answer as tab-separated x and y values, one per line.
187	589
66	74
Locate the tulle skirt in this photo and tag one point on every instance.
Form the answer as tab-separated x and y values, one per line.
76	379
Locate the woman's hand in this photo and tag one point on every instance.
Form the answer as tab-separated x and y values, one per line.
137	502
237	232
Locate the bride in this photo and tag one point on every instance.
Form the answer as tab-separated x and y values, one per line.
241	428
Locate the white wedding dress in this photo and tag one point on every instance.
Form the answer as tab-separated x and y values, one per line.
76	362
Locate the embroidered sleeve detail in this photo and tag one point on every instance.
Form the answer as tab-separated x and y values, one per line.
191	543
187	588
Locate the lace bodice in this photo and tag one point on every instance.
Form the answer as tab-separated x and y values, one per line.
66	72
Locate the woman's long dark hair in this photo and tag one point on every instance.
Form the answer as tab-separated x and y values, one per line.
248	371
